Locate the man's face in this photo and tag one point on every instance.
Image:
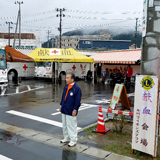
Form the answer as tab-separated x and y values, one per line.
68	79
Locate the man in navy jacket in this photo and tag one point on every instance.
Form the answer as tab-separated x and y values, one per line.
70	104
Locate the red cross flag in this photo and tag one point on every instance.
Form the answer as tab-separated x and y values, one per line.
55	52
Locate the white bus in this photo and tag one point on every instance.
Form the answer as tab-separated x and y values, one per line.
13	70
3	70
48	69
17	70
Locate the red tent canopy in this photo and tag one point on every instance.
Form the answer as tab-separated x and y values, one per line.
118	57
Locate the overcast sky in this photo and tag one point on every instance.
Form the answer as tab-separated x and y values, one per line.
40	15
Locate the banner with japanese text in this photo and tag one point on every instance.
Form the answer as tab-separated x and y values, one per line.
144	19
145	119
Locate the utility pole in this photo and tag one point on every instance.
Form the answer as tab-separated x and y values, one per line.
48	38
15	31
9	27
136	33
151	43
18	2
60	24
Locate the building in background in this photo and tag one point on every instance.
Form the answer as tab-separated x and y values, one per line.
104	44
72	41
51	43
29	40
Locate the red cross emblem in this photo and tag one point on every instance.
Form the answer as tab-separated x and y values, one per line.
74	67
54	51
83	69
25	67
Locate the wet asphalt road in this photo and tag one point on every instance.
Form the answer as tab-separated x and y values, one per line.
36	106
44	102
18	148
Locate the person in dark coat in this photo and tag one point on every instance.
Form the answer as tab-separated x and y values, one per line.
69	107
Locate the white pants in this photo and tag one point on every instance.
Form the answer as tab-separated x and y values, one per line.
69	127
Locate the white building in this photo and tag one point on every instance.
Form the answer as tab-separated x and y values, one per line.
30	40
72	41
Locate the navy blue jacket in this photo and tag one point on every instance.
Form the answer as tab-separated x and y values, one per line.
73	99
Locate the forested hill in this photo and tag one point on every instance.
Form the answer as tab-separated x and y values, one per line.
129	36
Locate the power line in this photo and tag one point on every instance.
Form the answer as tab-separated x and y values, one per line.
29	15
9	1
81	25
41	19
51	11
100	25
97	18
97	12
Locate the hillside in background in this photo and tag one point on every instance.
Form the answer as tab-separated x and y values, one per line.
128	35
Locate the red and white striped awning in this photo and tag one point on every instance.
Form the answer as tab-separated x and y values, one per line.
118	57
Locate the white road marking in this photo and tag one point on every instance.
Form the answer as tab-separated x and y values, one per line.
4	158
22	91
28	87
36	118
108	100
88	107
53	114
3	92
103	101
17	89
82	107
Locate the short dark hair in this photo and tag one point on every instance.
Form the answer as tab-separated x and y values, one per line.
72	75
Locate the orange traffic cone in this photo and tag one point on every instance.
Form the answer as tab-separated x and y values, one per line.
100	125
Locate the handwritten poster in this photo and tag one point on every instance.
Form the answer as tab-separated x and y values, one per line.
116	96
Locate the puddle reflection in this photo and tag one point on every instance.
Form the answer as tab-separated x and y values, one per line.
68	155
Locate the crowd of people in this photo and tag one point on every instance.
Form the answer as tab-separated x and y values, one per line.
118	75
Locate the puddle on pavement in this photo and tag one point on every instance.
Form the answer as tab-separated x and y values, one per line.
83	133
8	138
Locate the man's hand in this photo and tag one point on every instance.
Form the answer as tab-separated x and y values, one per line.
74	113
60	108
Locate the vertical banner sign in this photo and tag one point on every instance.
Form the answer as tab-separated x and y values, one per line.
144	20
145	121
